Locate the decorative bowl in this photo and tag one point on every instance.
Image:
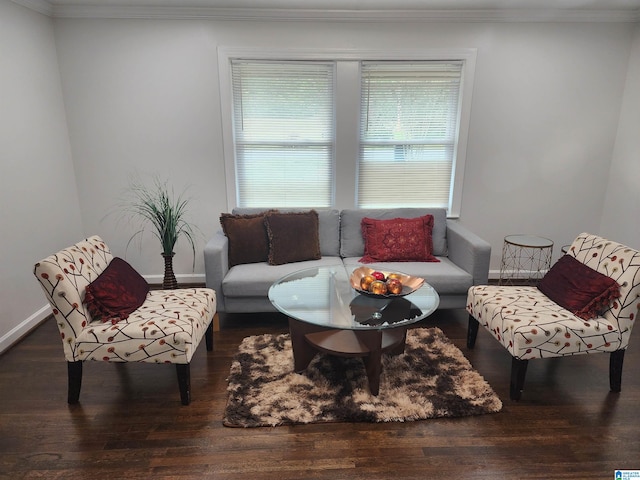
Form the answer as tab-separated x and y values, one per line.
409	283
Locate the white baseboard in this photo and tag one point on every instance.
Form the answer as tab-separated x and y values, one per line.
181	278
520	274
494	274
23	328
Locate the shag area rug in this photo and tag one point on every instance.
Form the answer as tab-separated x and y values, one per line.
431	379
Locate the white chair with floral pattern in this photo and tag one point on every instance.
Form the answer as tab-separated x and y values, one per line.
154	326
587	303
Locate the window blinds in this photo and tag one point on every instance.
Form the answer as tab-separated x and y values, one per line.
284	133
408	133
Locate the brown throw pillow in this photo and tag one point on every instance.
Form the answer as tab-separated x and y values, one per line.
398	240
248	240
118	291
293	237
579	288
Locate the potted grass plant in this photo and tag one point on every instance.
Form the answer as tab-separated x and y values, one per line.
163	212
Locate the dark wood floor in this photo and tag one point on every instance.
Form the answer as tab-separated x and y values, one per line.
130	423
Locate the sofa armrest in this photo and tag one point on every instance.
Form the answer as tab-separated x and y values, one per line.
216	265
468	251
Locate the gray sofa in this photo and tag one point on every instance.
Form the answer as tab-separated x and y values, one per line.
464	259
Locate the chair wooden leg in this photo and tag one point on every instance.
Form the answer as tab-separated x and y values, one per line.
184	382
208	337
74	370
518	373
615	370
472	331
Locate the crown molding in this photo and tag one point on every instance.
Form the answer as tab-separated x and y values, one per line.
310	15
40	6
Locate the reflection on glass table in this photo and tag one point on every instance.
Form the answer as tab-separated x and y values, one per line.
326	314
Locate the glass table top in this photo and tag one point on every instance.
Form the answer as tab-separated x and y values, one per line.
323	296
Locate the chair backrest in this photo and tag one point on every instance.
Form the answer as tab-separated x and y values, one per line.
64	277
621	263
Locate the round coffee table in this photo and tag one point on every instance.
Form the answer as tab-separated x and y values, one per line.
327	315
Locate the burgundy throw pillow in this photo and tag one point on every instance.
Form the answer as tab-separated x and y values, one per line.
248	240
293	236
398	240
579	288
118	291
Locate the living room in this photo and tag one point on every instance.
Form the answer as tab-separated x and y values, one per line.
88	101
95	93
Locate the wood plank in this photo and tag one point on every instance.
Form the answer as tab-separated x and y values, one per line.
130	423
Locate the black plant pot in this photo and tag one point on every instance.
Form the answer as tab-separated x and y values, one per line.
169	282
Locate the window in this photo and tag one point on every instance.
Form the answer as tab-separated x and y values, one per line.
408	132
345	129
284	133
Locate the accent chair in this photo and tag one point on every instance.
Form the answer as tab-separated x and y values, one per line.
164	326
590	304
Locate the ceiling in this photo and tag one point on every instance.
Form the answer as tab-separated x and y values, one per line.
533	10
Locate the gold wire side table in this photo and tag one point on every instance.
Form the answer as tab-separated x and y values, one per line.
525	259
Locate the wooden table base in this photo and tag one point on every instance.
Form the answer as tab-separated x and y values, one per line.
308	339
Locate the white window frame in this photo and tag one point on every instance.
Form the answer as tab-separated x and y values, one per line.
347	117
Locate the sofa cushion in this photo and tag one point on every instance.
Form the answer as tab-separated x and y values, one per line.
398	240
248	240
445	276
579	288
352	243
293	236
254	280
117	292
328	226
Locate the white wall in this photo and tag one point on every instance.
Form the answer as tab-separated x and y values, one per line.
142	98
545	114
621	215
545	109
39	203
142	95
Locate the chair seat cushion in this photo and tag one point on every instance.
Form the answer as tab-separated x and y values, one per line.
530	325
167	328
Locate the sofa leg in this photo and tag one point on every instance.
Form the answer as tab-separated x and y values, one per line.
615	370
184	382
518	373
208	337
74	371
472	331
